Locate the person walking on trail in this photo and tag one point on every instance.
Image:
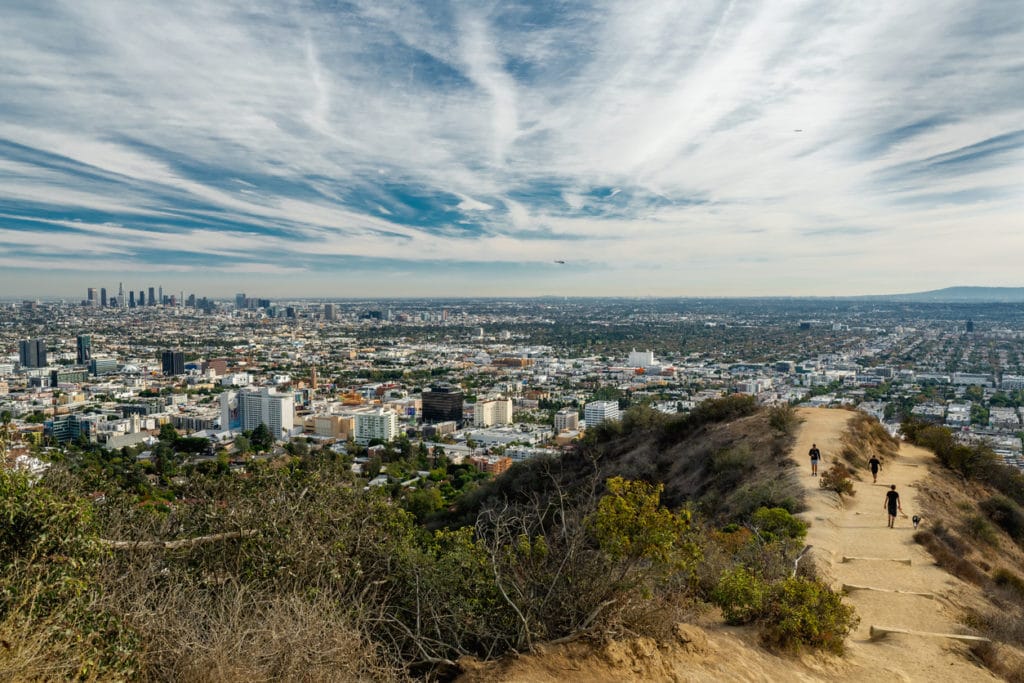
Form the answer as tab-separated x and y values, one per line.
815	457
892	504
875	464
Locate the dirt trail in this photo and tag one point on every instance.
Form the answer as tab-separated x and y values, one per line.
857	528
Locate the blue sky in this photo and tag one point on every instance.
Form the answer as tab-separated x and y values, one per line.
404	149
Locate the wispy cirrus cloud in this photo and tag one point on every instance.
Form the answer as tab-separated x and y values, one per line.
716	147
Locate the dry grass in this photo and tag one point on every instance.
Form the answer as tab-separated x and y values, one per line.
982	559
865	436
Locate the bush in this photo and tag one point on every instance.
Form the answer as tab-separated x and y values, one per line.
976	526
1007	514
741	595
837	478
783	418
777	522
1010	582
803	613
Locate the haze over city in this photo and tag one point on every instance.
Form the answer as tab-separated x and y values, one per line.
658	148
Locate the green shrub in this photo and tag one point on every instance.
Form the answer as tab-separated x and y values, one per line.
783	418
1010	581
804	613
980	528
837	478
777	522
1007	514
741	595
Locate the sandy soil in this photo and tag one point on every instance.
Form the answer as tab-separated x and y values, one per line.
856	527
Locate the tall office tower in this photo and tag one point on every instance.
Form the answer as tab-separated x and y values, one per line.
103	297
161	299
191	303
240	300
131	298
442	403
173	363
141	301
32	353
152	296
249	408
329	312
120	294
84	346
91	296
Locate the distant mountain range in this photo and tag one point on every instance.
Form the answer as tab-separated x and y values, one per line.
963	295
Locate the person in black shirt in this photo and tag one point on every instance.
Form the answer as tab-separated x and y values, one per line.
815	457
875	465
892	504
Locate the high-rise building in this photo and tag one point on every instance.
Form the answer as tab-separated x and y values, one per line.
32	353
152	296
567	419
442	403
640	359
103	297
249	408
131	299
90	296
492	411
120	295
173	363
161	301
377	424
84	347
240	300
597	412
141	301
330	312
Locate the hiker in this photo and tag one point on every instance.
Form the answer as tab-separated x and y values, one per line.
875	465
815	457
892	504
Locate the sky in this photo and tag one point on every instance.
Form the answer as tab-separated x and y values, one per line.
658	148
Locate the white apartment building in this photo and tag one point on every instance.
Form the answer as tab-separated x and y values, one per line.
640	359
492	411
567	419
1012	382
597	412
249	408
376	424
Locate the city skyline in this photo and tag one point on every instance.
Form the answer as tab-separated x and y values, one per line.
531	149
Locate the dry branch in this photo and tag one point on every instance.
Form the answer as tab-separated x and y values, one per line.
180	543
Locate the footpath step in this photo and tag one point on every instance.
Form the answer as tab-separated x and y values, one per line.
900	560
879	632
849	587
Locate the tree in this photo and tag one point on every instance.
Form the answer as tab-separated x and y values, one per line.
168	434
261	438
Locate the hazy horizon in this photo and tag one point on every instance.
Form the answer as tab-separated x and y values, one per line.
376	149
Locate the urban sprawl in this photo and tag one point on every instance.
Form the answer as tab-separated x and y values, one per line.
483	382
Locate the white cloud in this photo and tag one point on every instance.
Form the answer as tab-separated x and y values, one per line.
625	134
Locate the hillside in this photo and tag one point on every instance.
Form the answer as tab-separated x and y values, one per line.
841	528
963	295
663	548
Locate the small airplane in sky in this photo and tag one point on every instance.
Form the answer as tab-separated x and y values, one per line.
798	130
557	261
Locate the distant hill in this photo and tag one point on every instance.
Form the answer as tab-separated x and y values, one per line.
964	295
